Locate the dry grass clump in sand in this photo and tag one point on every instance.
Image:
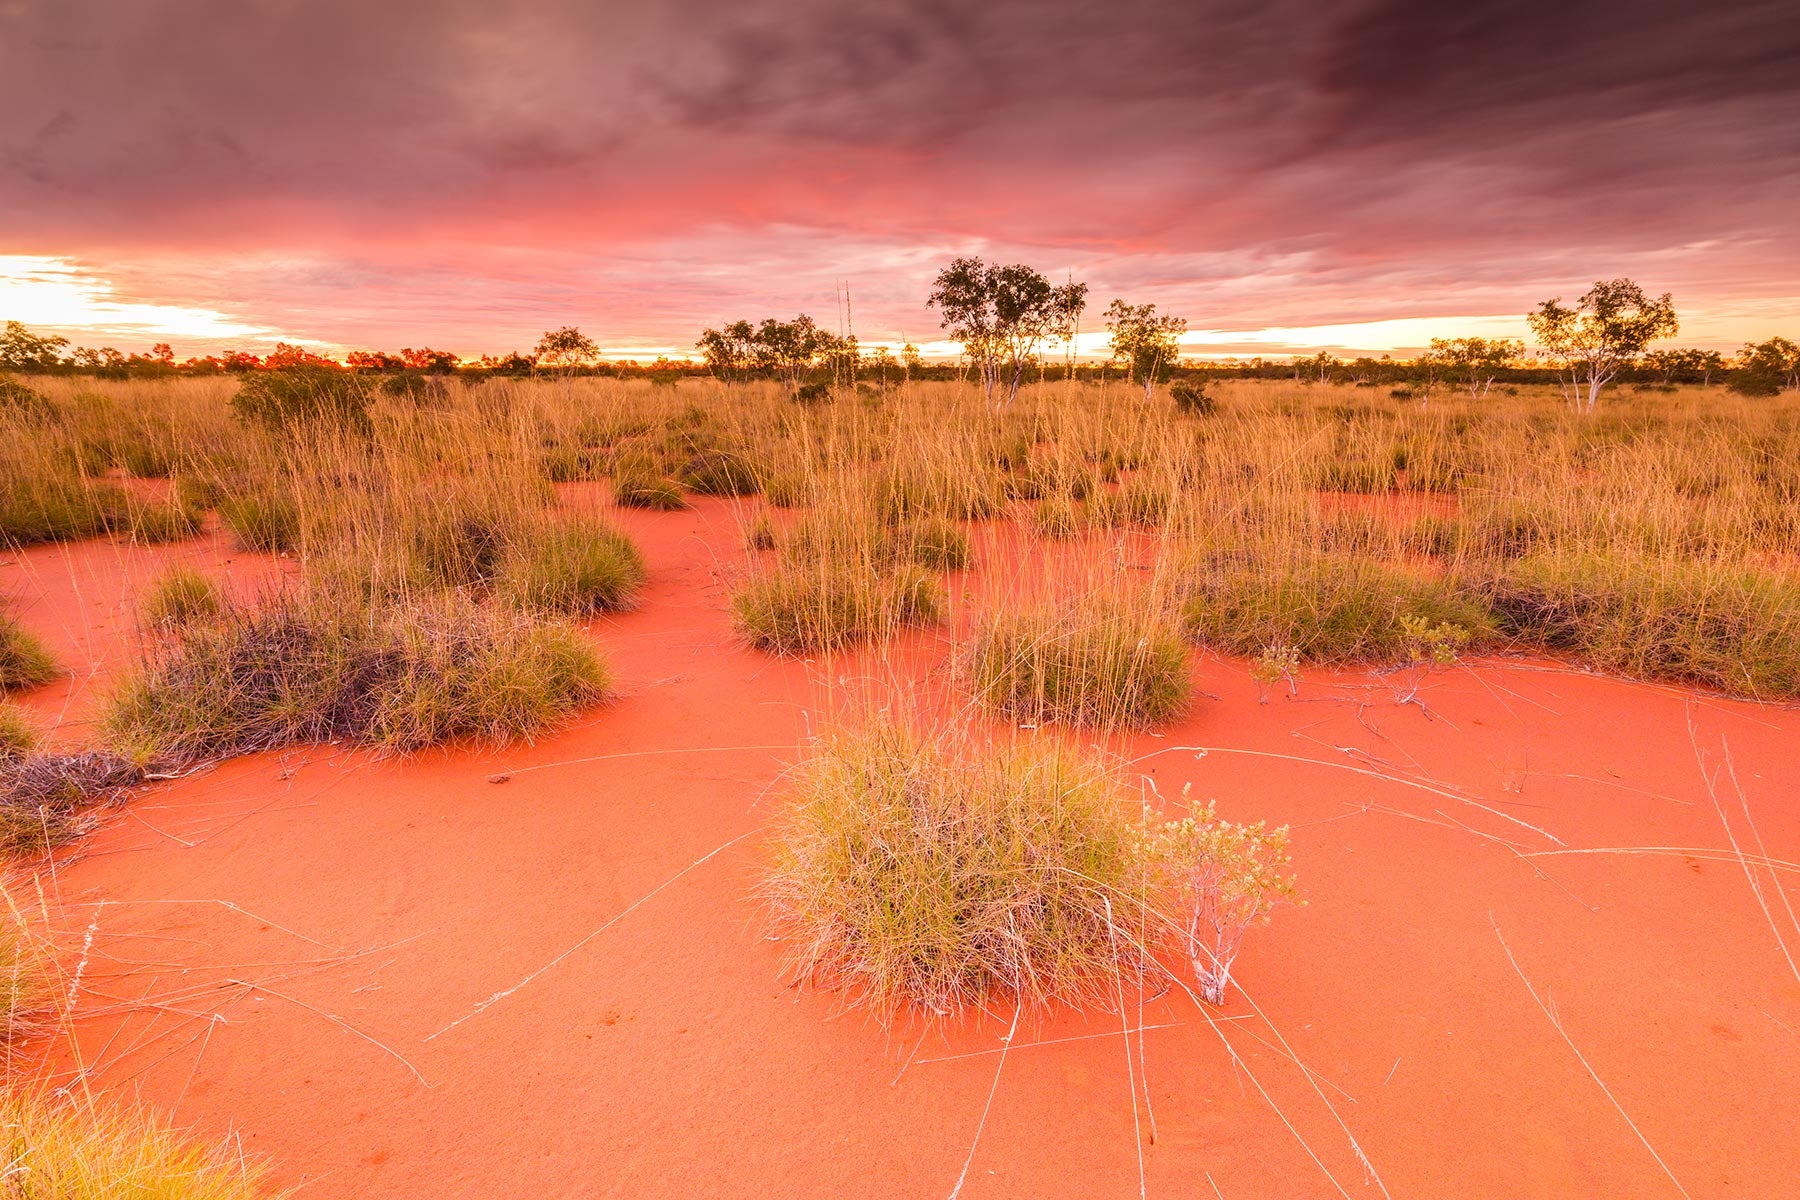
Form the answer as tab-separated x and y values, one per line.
915	868
180	596
1102	662
47	800
24	662
318	665
573	566
65	1147
1331	608
18	734
26	996
844	576
1733	629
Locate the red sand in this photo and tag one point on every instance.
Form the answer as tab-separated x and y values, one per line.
625	1029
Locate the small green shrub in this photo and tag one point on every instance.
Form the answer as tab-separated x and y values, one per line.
574	567
1190	397
24	662
21	402
1096	663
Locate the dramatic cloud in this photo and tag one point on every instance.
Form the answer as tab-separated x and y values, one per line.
470	172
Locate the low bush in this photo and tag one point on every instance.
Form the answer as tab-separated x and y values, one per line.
1096	663
24	662
20	401
1328	608
1190	397
1212	881
1733	629
574	566
69	1146
315	667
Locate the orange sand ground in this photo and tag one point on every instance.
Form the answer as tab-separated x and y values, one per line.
406	978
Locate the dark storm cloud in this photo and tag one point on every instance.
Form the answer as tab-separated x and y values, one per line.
1451	146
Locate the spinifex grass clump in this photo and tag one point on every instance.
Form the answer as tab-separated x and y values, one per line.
1328	608
319	666
18	734
825	604
1093	663
49	799
180	596
1735	629
25	993
574	566
317	399
639	484
909	873
24	662
62	1146
841	577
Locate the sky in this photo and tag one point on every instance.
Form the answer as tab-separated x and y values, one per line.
1288	175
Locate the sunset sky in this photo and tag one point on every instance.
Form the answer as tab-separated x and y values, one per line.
1287	174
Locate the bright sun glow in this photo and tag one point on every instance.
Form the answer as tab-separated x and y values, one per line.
55	294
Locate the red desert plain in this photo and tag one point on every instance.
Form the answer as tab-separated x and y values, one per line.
1023	600
1541	939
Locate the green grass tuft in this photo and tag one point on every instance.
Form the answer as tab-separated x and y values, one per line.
24	663
575	567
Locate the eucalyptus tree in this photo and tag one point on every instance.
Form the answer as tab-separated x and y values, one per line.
1475	361
1001	315
1604	333
730	352
562	350
1146	342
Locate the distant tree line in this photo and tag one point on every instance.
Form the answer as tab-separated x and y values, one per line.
1010	321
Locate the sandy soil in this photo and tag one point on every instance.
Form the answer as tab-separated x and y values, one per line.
1530	963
